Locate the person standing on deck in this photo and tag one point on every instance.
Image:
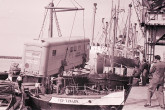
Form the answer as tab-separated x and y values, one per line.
136	72
157	82
144	68
37	88
59	83
136	67
19	81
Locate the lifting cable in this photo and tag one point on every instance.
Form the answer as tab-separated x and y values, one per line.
73	27
41	31
57	23
69	38
78	4
84	30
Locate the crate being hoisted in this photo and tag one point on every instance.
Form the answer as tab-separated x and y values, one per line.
51	56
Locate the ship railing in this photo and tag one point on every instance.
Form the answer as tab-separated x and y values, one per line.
86	90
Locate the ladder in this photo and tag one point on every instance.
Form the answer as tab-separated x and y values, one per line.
150	43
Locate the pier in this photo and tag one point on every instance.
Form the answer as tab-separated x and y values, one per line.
138	97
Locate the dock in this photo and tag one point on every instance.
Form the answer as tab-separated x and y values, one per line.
138	97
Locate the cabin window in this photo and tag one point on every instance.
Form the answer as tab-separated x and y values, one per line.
79	47
75	48
71	49
54	53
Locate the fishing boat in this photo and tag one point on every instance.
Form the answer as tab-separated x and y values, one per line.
78	92
56	76
7	95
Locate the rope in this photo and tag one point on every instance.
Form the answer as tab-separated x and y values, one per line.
57	23
41	31
70	37
72	25
78	4
73	3
143	33
58	3
84	30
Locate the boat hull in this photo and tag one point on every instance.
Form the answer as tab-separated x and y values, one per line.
105	61
77	104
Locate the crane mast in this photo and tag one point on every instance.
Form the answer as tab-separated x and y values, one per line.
151	18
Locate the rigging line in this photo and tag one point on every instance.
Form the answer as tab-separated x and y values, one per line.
139	40
125	29
73	24
78	4
73	3
84	30
44	28
117	15
70	36
138	17
58	2
98	37
83	24
110	22
46	11
57	24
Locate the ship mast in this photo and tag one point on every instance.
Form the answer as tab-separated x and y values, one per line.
51	20
53	11
93	29
113	42
129	20
115	20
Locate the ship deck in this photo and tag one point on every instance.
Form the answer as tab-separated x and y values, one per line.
86	96
137	98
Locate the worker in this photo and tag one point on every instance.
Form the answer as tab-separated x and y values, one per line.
37	88
136	67
19	81
144	69
59	83
51	85
157	82
136	72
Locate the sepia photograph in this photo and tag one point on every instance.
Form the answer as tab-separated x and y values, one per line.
82	54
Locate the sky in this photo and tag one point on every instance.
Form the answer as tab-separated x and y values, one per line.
21	20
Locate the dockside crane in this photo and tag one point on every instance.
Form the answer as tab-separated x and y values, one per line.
151	18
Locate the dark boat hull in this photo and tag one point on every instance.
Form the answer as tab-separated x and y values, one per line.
105	61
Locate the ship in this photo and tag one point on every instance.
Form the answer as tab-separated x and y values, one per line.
56	74
9	99
115	51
